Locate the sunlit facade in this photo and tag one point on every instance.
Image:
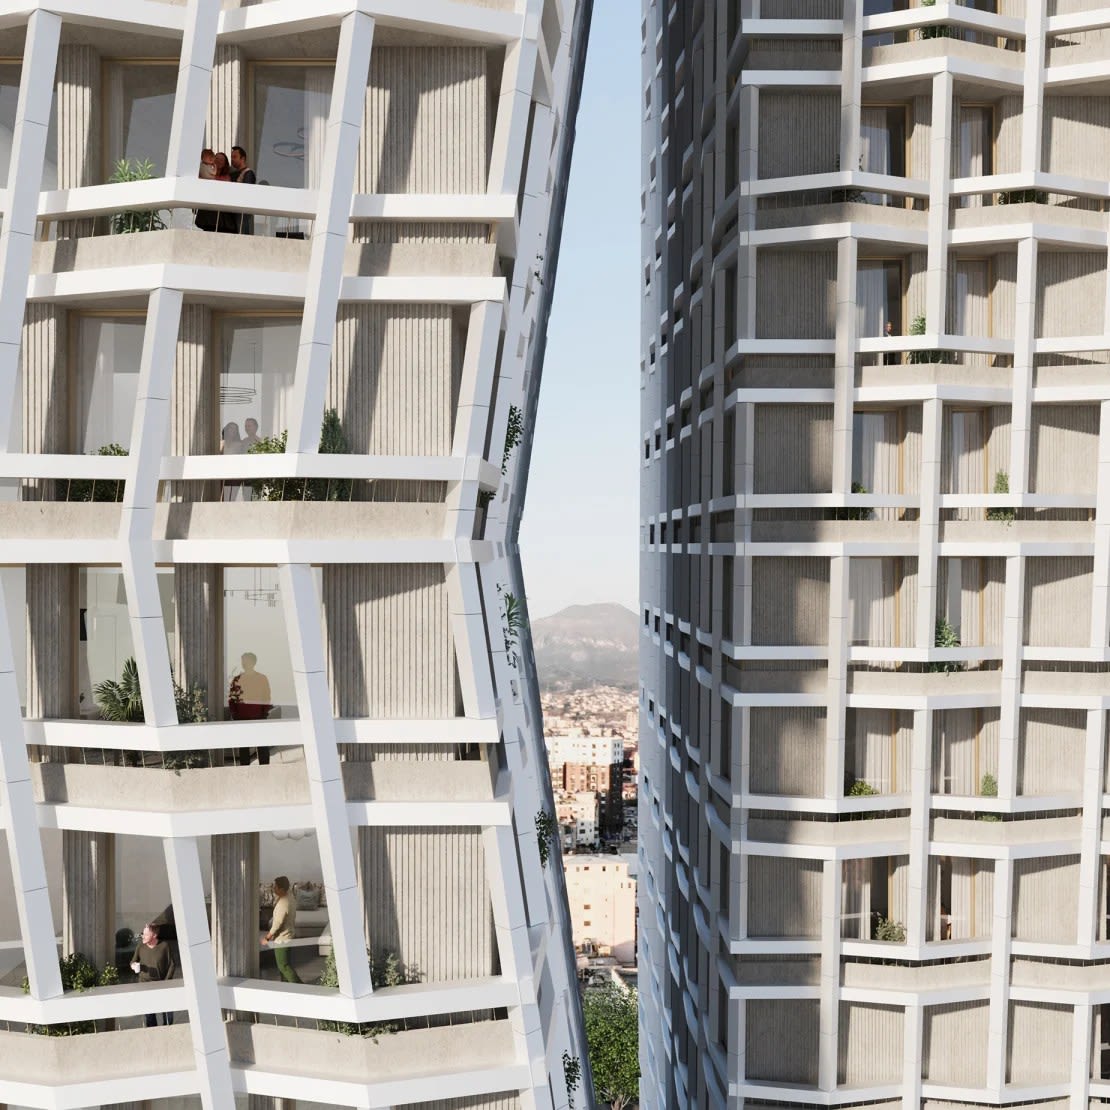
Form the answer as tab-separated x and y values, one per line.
265	446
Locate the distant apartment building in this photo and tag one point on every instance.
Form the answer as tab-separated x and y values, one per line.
594	763
875	554
602	895
259	502
578	817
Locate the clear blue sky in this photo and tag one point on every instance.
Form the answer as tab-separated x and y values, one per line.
579	535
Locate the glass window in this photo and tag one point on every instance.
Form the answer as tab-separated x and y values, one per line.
139	112
879	297
108	353
104	628
883	146
259	360
258	673
290	118
976	147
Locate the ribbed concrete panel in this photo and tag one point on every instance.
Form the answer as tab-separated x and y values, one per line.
790	602
1045	882
807	468
426	121
1063	449
389	642
812	117
226	105
1050	756
427	900
784	897
954	1044
786	750
810	312
1076	133
394	378
77	89
1057	600
1071	293
781	1044
871	1044
1039	1048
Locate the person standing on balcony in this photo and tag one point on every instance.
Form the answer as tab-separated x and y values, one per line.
206	218
283	928
890	358
248	699
244	175
153	963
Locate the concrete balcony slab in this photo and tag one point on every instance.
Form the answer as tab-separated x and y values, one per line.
215	520
970	830
96	1057
155	790
257	252
412	1053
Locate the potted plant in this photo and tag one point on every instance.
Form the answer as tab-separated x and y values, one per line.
124	223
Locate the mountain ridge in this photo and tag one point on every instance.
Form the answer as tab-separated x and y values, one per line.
588	645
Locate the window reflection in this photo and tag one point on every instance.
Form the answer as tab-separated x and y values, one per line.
109	350
291	104
257	667
104	629
139	112
259	360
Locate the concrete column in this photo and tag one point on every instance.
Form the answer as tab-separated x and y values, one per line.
839	638
1094	774
79	146
226	112
928	532
851	72
847	327
235	928
940	160
1012	653
917	898
829	1041
45	390
1025	329
1100	607
89	895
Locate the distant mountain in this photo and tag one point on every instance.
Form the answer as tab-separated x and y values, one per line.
587	645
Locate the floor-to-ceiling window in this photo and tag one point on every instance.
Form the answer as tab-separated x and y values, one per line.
107	352
289	113
138	112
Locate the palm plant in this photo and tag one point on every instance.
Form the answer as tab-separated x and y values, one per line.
122	700
123	223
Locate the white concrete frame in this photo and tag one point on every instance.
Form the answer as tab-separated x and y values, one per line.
544	44
731	93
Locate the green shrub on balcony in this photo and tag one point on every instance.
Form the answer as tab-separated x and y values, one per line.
945	636
1004	515
888	930
124	223
1023	196
386	970
333	441
936	30
919	327
98	489
78	974
862	789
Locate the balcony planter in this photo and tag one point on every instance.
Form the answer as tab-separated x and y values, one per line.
389	1056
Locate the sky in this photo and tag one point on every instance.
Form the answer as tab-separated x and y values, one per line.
579	535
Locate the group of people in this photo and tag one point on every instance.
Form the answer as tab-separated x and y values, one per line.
153	960
236	443
216	166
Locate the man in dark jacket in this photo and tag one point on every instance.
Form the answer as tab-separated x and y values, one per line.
153	963
244	175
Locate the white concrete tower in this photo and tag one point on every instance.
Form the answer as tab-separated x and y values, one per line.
263	453
876	554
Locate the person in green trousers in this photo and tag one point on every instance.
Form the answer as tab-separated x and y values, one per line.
283	928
